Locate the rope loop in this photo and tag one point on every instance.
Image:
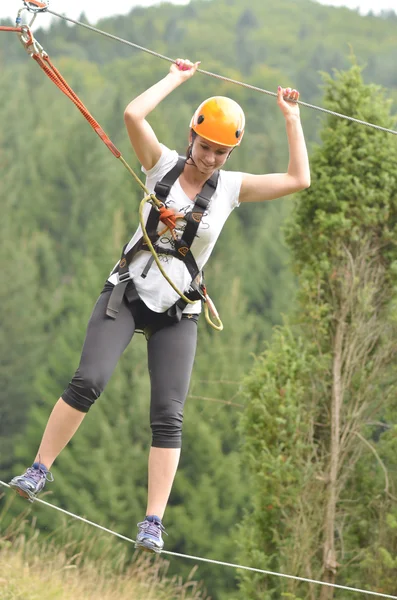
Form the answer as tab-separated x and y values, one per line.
209	307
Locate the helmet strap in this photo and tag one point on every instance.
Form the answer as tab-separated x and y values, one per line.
189	156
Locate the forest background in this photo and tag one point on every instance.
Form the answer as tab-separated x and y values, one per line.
67	208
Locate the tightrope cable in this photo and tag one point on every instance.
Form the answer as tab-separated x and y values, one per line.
212	561
221	77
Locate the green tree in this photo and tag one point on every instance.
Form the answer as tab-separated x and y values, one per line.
318	390
23	319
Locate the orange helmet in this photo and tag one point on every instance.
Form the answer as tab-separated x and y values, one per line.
220	120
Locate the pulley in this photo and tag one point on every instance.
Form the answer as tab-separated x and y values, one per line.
36	6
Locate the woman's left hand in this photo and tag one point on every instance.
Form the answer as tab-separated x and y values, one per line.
287	100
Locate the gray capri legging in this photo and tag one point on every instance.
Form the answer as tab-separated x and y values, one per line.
171	351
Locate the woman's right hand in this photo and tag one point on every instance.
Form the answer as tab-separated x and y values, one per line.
184	68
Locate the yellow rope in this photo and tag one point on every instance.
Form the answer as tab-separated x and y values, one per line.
219	325
139	182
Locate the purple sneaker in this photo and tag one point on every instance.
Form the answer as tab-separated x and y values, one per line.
149	536
32	481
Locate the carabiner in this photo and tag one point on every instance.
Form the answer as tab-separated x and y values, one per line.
153	201
31	45
24	18
30	6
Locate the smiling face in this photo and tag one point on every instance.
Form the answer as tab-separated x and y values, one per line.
207	155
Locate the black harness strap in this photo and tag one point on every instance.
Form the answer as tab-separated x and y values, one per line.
181	250
194	218
163	187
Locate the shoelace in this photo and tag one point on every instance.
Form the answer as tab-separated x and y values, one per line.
37	474
152	528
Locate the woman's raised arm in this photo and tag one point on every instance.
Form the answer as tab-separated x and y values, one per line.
256	188
142	137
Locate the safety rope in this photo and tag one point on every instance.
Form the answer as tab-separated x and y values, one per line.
14	29
36	51
221	77
212	561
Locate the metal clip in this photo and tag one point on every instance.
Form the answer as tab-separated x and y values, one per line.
31	45
24	18
30	6
154	201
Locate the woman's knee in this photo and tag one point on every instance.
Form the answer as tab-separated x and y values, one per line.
84	389
166	420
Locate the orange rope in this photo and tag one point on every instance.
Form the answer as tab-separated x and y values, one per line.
14	29
52	72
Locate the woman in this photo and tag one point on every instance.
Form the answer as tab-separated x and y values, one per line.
146	301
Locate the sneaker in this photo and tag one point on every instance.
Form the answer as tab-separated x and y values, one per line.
149	536
32	481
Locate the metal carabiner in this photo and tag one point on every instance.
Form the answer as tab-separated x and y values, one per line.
30	6
24	18
28	41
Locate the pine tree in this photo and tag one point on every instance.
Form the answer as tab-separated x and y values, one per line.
317	393
22	319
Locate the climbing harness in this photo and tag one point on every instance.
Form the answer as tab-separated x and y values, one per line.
212	561
181	247
36	51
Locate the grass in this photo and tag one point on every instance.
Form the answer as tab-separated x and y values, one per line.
75	563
